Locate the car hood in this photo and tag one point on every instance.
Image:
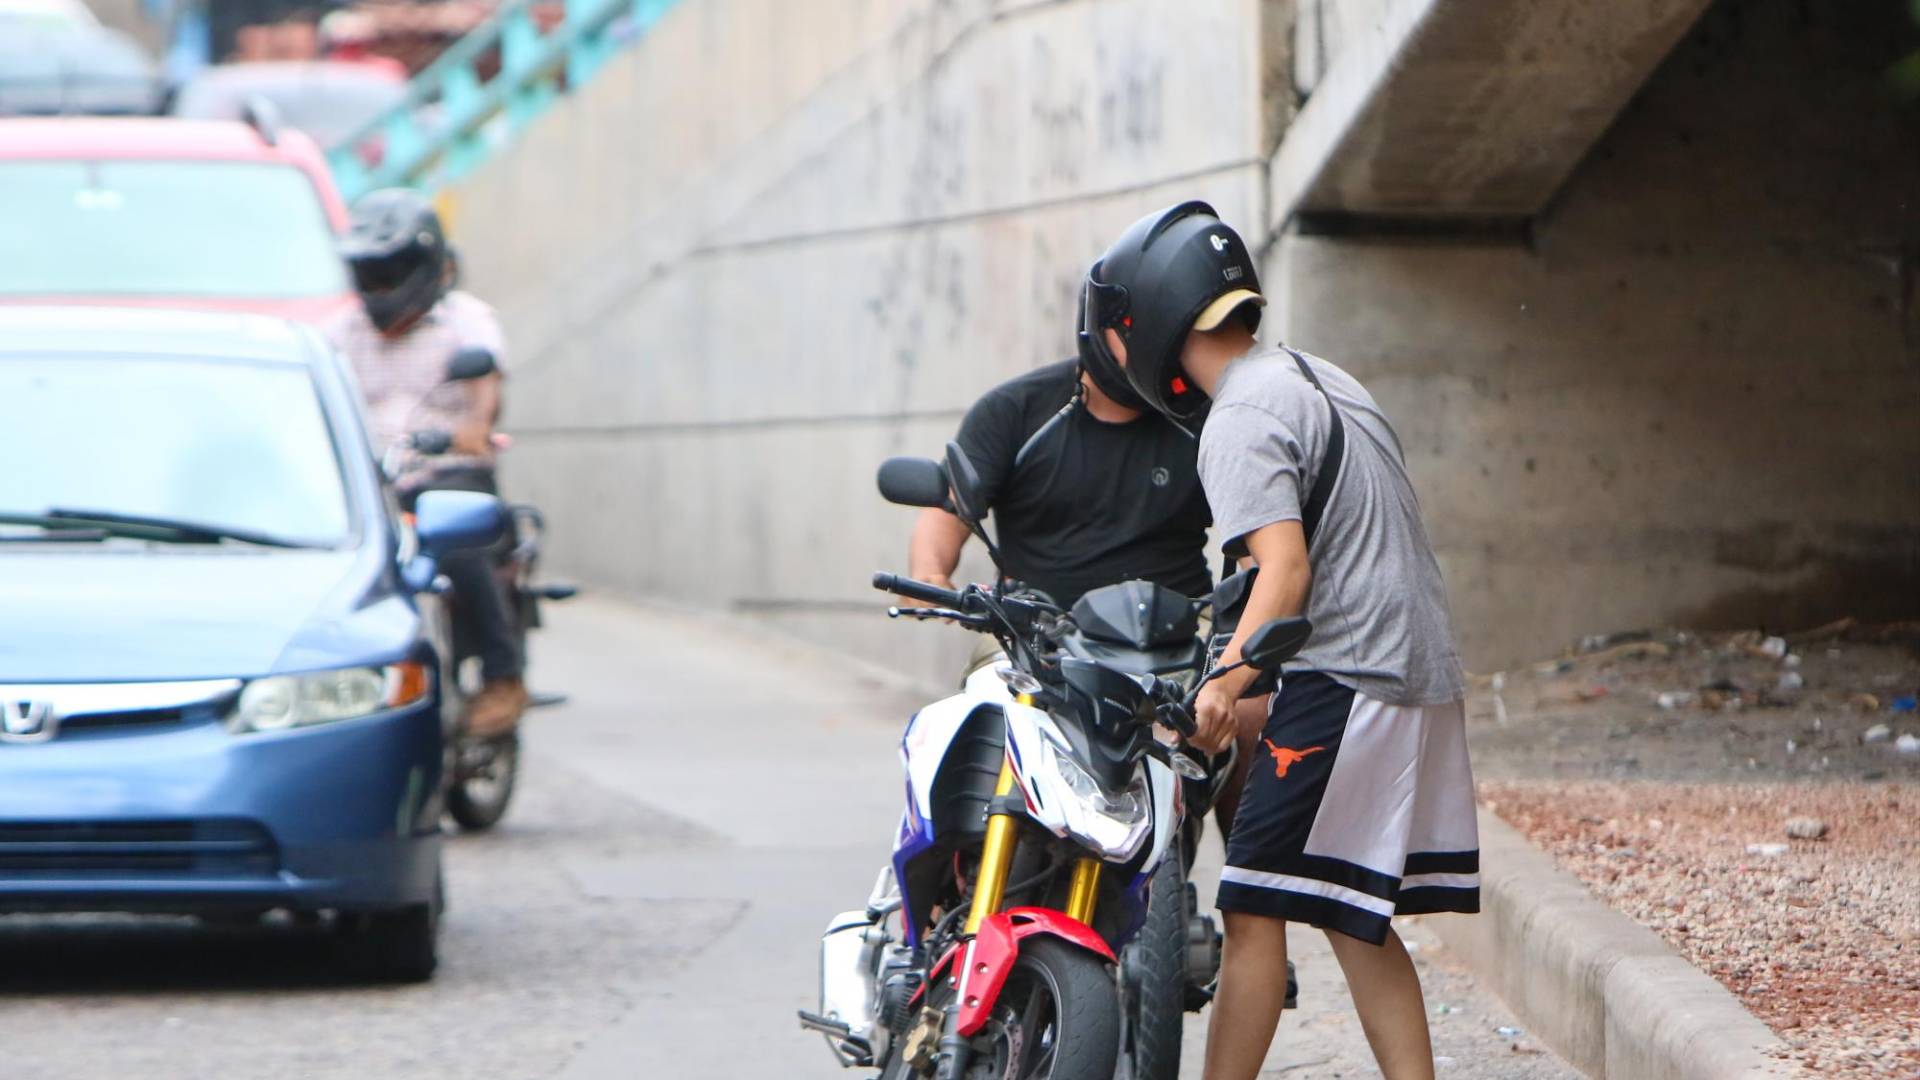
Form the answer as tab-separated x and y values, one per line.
312	310
159	612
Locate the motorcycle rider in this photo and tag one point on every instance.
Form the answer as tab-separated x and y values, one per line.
400	339
1088	487
1307	476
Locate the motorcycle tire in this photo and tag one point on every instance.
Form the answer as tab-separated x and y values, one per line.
1058	1018
478	799
1156	973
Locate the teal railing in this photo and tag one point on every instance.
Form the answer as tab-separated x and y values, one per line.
481	92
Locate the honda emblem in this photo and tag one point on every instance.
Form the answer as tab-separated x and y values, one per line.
26	721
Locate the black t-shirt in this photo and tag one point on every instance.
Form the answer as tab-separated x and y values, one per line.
1092	503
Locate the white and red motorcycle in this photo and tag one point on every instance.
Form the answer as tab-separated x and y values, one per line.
1040	812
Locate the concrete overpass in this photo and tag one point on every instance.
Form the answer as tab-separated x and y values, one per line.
1632	278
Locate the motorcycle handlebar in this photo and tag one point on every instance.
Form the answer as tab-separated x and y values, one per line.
917	590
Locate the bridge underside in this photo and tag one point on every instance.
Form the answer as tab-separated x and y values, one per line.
1461	112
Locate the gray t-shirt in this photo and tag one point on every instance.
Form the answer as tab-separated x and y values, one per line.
1379	608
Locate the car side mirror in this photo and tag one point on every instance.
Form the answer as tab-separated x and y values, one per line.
911	481
964	481
471	363
450	521
1276	643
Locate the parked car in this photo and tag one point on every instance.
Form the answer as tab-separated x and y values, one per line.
329	100
17	15
55	62
170	213
221	662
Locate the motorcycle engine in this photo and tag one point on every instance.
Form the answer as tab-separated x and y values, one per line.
896	994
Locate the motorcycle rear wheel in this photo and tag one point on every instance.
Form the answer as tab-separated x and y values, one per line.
1058	1018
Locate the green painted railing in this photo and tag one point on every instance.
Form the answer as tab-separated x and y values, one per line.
454	116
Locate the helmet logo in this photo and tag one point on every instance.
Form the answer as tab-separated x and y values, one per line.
1219	242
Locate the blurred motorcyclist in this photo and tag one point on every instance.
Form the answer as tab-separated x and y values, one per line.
400	341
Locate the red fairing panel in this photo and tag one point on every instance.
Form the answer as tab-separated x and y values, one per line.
990	956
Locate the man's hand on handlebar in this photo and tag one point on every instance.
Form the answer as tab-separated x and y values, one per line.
1214	725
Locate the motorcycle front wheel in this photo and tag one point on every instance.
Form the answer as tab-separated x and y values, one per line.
484	774
1058	1018
1155	968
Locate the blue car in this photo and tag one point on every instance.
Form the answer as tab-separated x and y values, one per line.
220	649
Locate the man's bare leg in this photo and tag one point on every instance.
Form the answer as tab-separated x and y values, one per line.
1253	987
1386	993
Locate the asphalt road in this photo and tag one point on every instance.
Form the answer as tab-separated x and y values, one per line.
687	824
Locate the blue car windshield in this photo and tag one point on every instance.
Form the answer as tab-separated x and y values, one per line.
228	229
235	445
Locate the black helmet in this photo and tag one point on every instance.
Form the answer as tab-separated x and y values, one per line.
1100	366
1171	272
398	253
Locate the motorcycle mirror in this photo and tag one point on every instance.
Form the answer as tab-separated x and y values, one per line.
964	480
1276	643
911	481
471	363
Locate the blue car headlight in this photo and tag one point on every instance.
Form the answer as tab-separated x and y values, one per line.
279	702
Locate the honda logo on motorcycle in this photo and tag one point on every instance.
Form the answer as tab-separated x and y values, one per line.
26	721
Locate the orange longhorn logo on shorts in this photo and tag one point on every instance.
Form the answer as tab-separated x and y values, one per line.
1284	758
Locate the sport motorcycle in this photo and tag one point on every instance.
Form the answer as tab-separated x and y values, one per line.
1040	809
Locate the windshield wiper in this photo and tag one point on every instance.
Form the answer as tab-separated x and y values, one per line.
51	532
150	527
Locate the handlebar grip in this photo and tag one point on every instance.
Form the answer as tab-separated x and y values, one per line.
918	590
1175	716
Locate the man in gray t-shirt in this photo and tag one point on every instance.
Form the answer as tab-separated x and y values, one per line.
1361	806
1378	606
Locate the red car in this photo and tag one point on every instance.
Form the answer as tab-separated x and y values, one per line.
222	215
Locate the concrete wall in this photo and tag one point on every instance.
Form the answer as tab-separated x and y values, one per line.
771	247
1694	396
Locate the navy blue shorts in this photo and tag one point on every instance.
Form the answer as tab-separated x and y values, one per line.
1355	811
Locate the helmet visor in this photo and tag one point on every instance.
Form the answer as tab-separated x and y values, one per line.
384	273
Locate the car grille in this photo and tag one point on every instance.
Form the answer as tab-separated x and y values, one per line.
202	848
130	718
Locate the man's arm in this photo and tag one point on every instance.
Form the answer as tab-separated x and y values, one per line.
934	550
474	435
1279	591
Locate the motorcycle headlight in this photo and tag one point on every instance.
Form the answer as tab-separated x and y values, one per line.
279	702
1114	823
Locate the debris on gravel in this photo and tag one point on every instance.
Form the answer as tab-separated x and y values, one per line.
1682	705
1806	828
1820	938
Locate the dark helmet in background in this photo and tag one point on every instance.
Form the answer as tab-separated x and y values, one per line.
398	253
1173	271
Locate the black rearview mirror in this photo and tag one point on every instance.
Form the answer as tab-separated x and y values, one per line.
471	363
912	481
965	484
1276	643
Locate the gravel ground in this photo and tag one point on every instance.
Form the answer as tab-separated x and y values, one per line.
1819	937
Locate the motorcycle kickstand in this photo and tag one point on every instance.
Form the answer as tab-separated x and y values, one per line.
955	1051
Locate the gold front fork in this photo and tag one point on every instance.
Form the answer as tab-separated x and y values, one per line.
996	858
1082	889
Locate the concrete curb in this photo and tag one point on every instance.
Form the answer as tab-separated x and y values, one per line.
1600	989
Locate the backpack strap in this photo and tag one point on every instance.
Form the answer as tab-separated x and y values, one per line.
1316	504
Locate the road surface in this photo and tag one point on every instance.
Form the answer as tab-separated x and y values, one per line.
689	821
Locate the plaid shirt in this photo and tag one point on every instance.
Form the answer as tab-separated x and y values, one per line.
403	379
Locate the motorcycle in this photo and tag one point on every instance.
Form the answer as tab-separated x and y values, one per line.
1040	811
481	772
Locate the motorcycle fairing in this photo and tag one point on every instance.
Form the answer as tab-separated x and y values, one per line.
990	956
923	749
